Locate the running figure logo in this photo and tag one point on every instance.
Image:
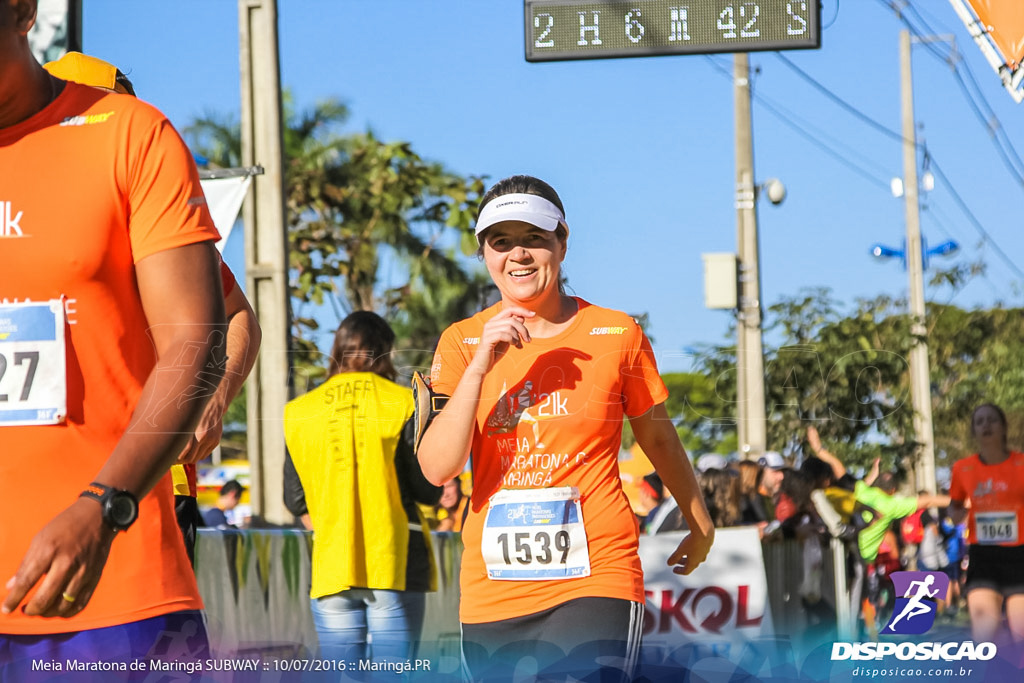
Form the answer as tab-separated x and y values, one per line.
915	609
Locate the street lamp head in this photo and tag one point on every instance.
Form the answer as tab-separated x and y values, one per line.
945	249
775	190
880	251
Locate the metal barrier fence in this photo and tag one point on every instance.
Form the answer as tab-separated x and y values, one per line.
255	584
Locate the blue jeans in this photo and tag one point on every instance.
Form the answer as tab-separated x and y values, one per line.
392	619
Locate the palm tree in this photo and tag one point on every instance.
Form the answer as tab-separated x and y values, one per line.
354	205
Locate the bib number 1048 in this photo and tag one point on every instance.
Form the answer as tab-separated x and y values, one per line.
543	547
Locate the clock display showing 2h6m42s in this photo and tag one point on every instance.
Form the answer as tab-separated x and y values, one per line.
570	29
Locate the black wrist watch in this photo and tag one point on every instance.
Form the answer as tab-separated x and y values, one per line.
120	507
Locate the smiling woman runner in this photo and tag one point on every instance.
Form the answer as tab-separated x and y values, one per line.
992	482
539	384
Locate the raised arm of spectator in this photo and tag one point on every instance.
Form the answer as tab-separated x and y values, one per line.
832	519
873	474
838	469
932	500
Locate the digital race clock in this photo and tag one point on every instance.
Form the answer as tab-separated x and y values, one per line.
568	29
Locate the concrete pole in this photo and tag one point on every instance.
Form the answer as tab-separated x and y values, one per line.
266	252
750	411
920	385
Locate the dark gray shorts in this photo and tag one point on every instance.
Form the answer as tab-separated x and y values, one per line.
578	637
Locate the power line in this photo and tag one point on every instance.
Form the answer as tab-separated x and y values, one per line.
990	122
935	212
838	100
974	220
893	134
928	209
801	130
874	167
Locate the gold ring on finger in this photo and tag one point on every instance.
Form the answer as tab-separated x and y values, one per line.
66	596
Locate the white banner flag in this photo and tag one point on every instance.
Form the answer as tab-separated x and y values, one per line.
224	196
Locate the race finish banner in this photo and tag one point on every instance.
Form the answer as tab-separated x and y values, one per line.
724	600
997	27
569	29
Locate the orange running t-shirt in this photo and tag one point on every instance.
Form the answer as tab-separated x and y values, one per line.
996	494
550	415
89	186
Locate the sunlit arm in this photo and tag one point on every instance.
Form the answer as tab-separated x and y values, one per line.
445	446
932	500
180	291
657	437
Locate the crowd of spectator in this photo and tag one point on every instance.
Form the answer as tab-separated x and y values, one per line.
817	499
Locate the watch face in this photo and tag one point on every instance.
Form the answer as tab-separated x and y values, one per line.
122	510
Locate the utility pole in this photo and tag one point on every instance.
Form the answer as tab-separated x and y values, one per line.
266	253
920	384
750	408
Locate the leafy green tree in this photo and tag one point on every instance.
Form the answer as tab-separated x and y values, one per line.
848	373
705	420
358	207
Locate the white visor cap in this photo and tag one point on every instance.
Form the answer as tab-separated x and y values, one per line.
528	208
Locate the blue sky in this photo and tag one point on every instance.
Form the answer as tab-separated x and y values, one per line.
640	150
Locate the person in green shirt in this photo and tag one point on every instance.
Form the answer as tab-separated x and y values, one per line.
889	507
879	494
876	499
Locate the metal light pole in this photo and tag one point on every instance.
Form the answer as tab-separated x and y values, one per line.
750	408
920	384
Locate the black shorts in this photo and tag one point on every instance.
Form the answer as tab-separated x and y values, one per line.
578	637
996	567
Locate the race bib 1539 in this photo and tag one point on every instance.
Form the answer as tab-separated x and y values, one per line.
535	535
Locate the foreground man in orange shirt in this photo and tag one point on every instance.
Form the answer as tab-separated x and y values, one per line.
112	333
243	336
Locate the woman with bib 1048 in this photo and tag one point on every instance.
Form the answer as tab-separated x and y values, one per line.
988	488
539	385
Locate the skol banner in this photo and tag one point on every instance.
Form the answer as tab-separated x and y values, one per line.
724	599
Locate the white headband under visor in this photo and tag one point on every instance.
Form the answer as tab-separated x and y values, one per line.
528	208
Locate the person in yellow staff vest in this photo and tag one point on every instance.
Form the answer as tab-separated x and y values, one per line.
244	334
350	466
